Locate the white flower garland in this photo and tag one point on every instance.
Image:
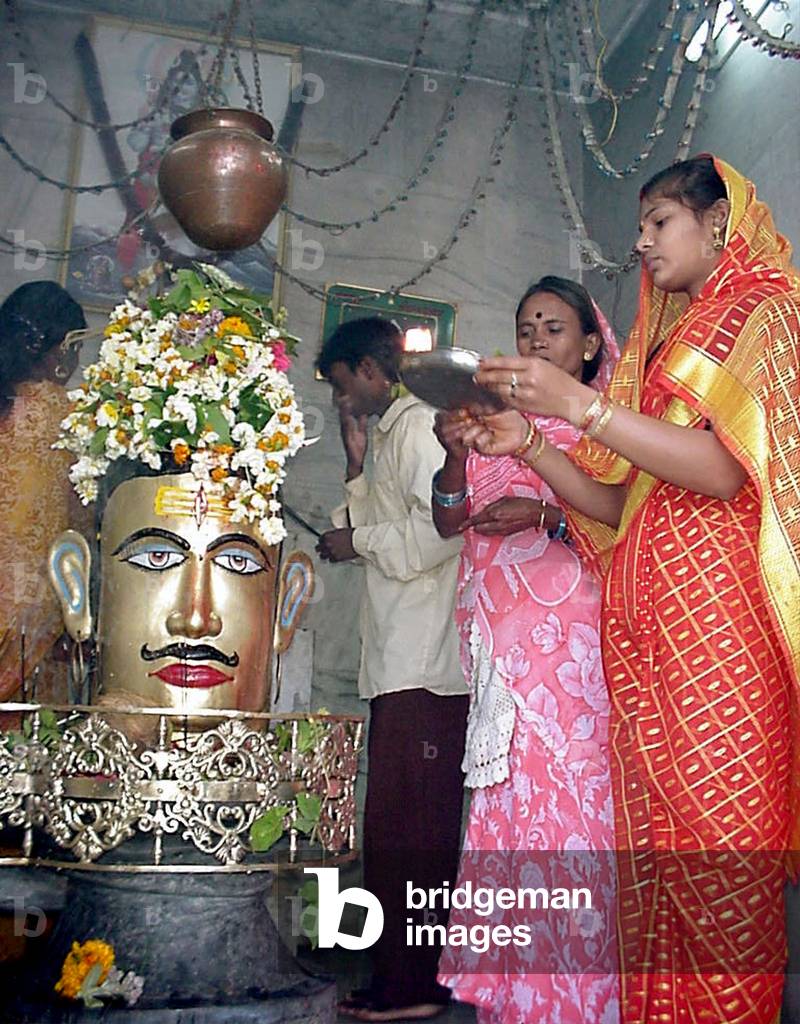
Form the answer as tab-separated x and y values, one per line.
198	380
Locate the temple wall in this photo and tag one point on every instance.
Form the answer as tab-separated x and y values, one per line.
749	116
518	235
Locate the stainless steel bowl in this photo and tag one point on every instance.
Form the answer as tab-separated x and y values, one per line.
444	378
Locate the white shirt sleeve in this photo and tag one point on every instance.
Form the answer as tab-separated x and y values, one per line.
408	545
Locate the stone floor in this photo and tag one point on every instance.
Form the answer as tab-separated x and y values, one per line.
455	1012
351	971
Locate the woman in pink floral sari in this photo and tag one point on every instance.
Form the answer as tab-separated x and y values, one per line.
536	754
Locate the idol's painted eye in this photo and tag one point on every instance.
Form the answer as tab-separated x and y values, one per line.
154	558
238	560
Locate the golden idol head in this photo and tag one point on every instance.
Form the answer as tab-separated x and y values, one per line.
186	599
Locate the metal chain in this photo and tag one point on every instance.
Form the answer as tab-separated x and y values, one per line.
585	37
665	103
237	70
96	126
748	28
375	138
217	65
64	185
59	255
428	157
554	153
699	88
468	213
256	64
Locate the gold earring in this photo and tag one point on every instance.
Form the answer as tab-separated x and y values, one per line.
587	356
719	242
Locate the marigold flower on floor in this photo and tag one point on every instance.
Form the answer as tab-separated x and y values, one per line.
79	961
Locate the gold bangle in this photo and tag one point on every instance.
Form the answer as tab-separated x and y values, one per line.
542	515
591	422
534	458
601	422
594	409
530	437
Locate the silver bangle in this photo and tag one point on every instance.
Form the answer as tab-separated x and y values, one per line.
444	498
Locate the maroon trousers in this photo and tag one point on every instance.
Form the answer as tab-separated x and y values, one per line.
412	821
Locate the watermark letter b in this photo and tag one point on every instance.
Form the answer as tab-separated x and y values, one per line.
332	904
22	914
23	80
29	254
302	246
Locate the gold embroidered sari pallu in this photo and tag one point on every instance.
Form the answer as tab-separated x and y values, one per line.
701	639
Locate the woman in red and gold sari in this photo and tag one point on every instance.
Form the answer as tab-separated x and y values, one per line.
685	491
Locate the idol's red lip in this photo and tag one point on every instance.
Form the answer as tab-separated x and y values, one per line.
195	677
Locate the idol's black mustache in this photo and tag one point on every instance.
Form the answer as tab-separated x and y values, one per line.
190	652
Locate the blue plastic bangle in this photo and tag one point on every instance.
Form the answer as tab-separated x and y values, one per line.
560	531
443	498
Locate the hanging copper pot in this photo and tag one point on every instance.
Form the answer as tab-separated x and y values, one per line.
222	179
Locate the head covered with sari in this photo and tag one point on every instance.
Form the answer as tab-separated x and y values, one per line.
547	572
733	361
730	358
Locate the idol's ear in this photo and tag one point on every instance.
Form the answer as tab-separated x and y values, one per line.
295	590
69	566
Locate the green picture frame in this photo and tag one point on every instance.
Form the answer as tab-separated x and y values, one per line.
345	302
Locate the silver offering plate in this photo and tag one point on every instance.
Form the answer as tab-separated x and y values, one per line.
443	378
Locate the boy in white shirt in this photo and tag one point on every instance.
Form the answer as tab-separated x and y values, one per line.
410	671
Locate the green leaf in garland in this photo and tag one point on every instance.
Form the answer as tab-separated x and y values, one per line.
164	433
283	737
91	981
309	916
178	298
218	423
262	298
153	408
254	409
98	443
194	353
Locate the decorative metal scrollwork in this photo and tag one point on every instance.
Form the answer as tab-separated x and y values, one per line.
91	787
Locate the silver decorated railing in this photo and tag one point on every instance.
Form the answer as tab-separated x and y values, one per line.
83	783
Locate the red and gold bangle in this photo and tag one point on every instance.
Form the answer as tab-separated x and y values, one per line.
593	410
531	461
530	437
602	420
542	515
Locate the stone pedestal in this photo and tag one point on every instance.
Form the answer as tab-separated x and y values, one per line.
204	943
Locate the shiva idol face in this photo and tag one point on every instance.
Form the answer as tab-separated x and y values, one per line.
187	599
